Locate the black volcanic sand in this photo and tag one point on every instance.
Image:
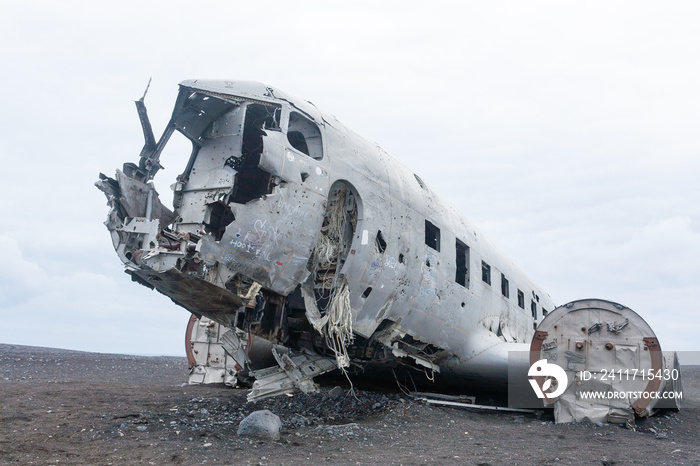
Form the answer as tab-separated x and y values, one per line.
70	407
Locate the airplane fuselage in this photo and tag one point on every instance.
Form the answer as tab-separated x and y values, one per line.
281	209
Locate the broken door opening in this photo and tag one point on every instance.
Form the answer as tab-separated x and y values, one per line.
333	245
251	181
326	293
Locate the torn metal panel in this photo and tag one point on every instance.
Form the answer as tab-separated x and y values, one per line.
206	356
294	373
149	145
400	352
194	294
234	343
218	355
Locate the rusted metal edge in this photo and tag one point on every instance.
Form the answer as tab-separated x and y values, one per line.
652	344
535	352
191	360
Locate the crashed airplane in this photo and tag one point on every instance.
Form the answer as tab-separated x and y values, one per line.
310	249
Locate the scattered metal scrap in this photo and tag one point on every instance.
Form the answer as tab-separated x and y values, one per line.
479	407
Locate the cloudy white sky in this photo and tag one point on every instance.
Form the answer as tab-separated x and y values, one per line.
568	131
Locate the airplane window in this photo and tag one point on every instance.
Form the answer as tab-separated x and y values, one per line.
380	242
505	286
305	136
298	141
432	236
462	260
486	272
420	181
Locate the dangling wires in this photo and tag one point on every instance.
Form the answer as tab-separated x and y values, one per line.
336	323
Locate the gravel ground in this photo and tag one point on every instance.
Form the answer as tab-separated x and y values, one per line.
69	407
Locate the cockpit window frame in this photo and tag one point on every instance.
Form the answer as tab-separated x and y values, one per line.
299	124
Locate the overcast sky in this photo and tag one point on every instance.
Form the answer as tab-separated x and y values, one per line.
568	131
